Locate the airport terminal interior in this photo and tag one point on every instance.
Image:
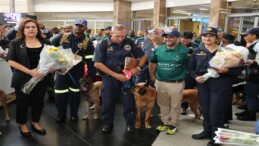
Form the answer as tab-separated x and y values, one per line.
234	17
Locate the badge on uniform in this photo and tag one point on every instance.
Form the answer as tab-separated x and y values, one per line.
110	48
127	47
201	53
80	45
142	44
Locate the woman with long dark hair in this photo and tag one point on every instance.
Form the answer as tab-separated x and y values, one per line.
23	57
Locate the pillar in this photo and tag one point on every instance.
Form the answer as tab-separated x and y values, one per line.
217	13
159	14
122	13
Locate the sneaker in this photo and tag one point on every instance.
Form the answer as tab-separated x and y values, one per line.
162	128
171	130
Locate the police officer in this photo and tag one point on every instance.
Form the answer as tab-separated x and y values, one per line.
190	83
147	46
67	85
214	93
109	58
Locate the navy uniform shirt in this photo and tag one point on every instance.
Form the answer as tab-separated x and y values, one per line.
199	63
146	46
113	55
75	45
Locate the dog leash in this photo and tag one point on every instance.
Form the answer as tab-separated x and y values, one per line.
73	79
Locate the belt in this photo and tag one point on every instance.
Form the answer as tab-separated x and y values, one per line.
174	81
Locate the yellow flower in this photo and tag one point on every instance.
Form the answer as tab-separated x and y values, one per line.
62	59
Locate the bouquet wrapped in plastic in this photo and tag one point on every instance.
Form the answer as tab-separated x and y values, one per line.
51	58
128	86
225	136
155	34
128	66
225	57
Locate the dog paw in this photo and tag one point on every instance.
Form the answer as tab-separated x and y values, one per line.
96	117
137	126
86	117
148	126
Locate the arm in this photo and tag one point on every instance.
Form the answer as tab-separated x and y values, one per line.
152	70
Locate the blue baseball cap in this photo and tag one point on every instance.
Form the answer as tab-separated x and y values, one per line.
173	33
210	30
252	31
81	22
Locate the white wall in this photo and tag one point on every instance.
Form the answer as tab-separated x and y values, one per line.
71	6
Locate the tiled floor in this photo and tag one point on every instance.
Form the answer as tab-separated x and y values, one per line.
188	127
82	133
88	133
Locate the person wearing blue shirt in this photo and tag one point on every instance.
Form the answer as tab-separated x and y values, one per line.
214	93
147	47
68	85
109	58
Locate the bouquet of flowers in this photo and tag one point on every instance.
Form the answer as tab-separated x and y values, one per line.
225	136
225	57
155	34
128	66
51	58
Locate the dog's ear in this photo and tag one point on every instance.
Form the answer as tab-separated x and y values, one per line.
142	90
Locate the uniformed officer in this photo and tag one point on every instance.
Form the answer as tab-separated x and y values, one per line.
67	85
215	93
190	83
107	34
109	58
147	46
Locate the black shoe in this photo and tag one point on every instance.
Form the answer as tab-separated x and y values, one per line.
212	143
25	134
242	107
60	119
39	131
130	128
74	118
107	128
241	113
184	112
247	117
202	135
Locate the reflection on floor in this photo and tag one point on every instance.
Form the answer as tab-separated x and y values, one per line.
82	133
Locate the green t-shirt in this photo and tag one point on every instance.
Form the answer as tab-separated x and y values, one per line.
171	63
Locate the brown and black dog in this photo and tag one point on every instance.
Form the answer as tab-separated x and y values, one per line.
91	91
3	98
191	96
145	97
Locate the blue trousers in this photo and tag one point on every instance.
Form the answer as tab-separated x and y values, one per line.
252	94
111	90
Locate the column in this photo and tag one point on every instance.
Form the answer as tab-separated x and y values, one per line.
122	13
12	6
159	14
217	13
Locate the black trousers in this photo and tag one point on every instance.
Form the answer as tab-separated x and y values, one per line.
34	100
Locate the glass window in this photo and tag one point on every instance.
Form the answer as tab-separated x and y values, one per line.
233	24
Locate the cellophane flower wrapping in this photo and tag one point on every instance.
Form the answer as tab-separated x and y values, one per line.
128	66
51	58
155	34
231	137
225	57
128	86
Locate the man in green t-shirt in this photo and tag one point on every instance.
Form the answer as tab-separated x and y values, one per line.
167	70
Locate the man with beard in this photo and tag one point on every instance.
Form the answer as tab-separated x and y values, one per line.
67	85
167	69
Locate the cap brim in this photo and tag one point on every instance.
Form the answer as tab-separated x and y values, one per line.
209	33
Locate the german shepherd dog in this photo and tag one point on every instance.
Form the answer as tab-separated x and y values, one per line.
191	96
145	97
3	97
4	103
90	91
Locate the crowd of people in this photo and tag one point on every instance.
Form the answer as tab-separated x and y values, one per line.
178	64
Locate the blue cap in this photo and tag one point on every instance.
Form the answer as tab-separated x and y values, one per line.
210	30
81	22
173	33
253	31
